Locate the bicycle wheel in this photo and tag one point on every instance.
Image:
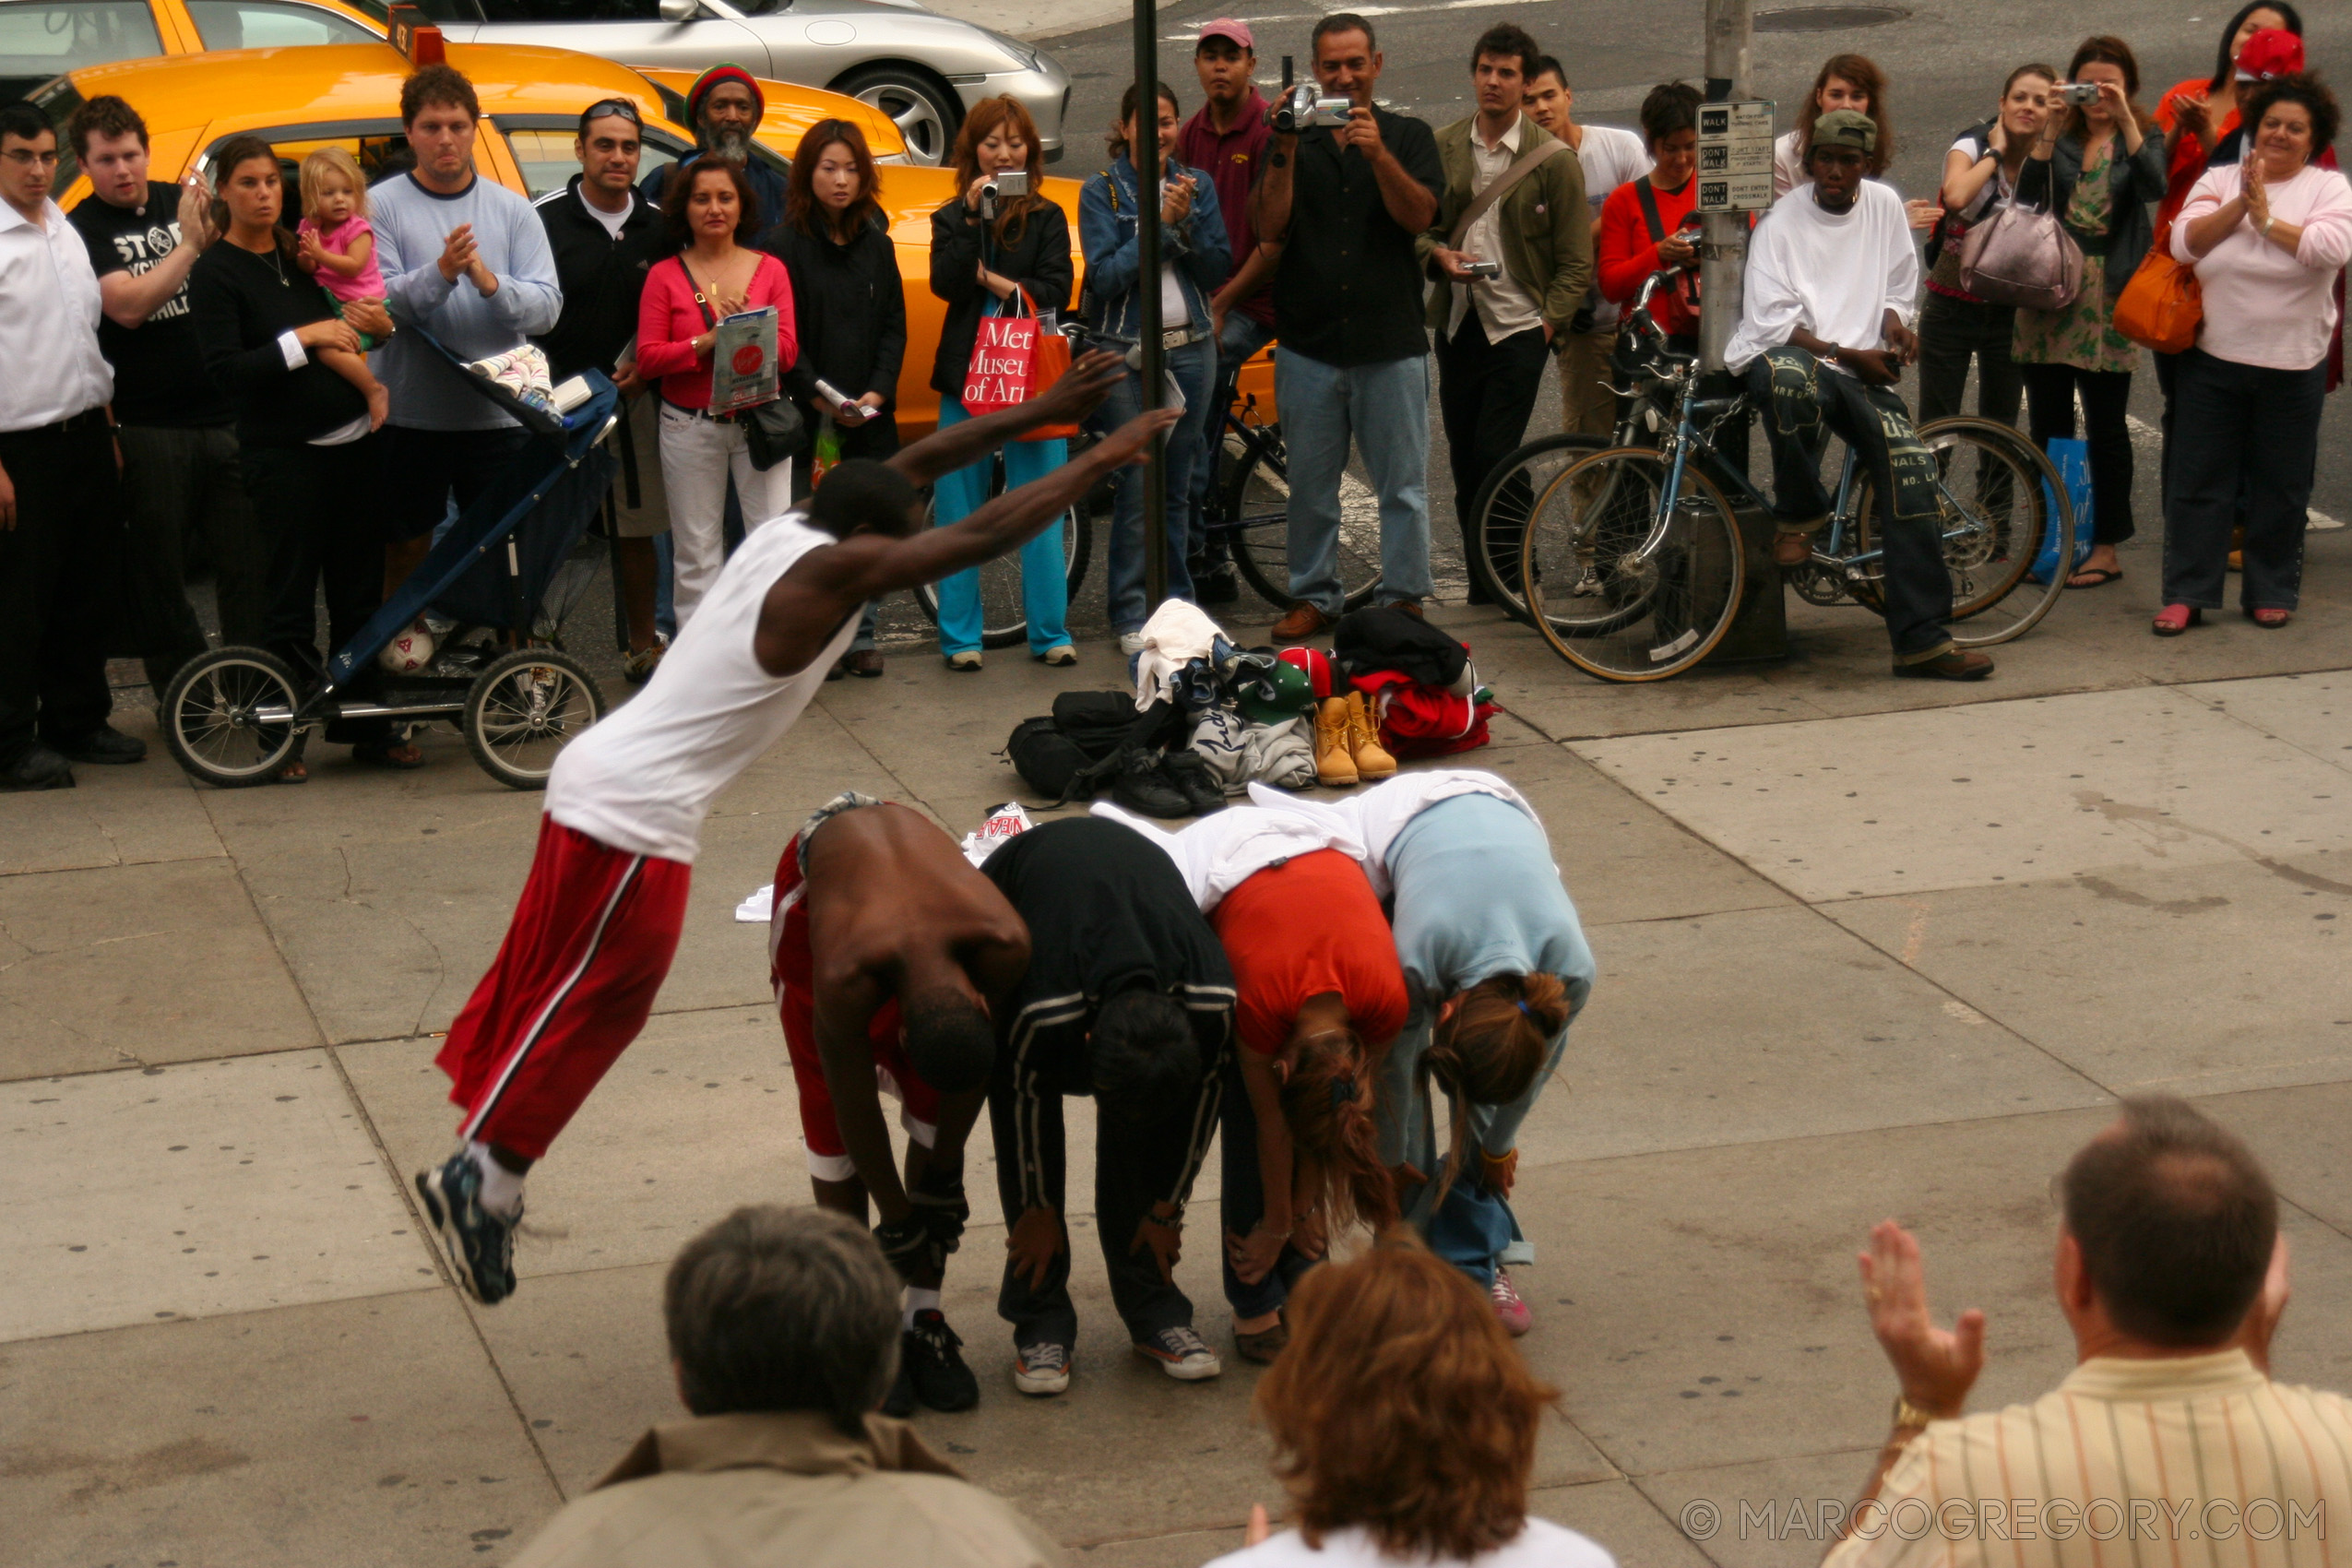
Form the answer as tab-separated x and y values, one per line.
227	717
1661	597
1004	621
1256	509
2002	505
1503	505
524	710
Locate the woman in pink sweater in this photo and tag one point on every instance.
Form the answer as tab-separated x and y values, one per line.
709	278
2267	236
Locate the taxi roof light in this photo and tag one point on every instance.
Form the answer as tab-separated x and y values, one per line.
415	37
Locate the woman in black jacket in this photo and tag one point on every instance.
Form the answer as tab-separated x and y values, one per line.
313	464
2077	348
850	307
988	264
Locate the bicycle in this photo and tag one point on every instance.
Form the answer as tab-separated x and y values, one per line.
1646	540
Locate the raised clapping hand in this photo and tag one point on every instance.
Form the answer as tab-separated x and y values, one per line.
457	252
1178	204
1935	1367
195	211
2257	193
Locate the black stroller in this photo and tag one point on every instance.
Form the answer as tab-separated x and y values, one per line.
237	715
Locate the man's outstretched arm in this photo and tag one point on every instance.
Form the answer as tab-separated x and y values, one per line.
808	604
1078	394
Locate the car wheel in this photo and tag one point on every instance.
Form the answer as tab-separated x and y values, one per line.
926	113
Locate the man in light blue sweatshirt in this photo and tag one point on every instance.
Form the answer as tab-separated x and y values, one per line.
468	260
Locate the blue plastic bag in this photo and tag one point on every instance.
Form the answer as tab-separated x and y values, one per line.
2072	458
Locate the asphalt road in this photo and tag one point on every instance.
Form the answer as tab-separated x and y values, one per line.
1945	62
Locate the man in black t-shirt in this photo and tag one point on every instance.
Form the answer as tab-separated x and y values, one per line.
179	447
1128	998
1353	357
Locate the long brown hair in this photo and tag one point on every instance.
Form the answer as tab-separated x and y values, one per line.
1401	1406
1327	1104
243	150
1490	1049
986	117
802	210
1863	72
2106	49
1118	137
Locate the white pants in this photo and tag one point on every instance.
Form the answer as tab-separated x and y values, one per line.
697	455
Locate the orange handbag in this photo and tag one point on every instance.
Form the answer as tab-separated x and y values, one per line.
2162	305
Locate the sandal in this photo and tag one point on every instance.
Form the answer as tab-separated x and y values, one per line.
2175	619
2095	576
292	771
2270	618
404	755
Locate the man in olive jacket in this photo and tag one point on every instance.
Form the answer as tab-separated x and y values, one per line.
1495	332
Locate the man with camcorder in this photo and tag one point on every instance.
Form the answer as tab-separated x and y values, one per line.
1360	185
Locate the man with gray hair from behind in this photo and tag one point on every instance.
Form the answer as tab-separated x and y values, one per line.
2169	1432
784	1338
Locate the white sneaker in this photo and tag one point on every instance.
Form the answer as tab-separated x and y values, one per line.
1043	1368
1182	1354
1133	643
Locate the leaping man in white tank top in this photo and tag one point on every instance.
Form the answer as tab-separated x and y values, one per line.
599	920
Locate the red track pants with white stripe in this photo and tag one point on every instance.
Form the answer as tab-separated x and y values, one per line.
589	946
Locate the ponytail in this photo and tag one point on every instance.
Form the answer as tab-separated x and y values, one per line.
1327	1101
1490	1049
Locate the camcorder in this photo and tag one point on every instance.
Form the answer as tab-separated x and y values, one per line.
1011	182
1298	107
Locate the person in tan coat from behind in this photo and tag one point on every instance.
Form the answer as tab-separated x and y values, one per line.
784	1335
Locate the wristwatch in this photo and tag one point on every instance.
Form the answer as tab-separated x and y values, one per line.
1910	1415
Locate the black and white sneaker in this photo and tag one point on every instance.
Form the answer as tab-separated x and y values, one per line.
929	1361
480	1245
1182	1354
1043	1368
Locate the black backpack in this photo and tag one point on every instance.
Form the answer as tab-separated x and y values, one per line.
1074	752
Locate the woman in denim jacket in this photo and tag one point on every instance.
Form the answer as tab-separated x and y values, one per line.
1193	257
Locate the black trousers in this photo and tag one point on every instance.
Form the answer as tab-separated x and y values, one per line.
1486	394
1802	403
428	466
59	568
1952	332
2249	439
320	506
2049	389
175	479
1134	1168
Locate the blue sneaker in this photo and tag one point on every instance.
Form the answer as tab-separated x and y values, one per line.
480	1245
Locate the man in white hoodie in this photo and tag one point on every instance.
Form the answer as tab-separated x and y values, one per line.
1830	284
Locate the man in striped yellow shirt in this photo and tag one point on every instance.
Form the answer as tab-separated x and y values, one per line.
2169	1446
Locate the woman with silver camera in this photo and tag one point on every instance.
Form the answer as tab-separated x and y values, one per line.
1979	173
1193	260
998	249
2096	165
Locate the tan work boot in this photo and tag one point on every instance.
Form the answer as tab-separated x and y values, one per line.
1363	741
1334	758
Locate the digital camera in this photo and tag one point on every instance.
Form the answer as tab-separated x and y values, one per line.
2078	93
1483	268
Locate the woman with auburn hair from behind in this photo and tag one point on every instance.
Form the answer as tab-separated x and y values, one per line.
1404	1427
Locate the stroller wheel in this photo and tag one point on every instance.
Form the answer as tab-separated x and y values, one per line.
228	717
524	710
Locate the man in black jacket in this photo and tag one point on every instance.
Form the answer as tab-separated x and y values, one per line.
1129	998
605	237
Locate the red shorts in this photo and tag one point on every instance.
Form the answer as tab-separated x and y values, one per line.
792	969
589	946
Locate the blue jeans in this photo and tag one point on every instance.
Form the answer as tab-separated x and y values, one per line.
1191	366
1045	584
1473	1226
1245	336
1384	408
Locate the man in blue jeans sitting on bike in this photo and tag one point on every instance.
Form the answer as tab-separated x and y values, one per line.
1830	283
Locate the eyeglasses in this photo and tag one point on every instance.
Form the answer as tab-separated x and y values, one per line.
620	106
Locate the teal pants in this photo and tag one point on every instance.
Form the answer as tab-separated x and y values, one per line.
1045	590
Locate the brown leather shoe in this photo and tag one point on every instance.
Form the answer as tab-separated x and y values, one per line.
1952	665
865	663
1304	622
1263	1346
1409	606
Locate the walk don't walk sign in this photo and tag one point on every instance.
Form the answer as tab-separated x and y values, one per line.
1735	157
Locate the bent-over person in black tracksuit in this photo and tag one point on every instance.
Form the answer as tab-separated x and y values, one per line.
1128	998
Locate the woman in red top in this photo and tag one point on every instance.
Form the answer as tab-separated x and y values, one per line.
1628	252
2197	113
709	278
1320	997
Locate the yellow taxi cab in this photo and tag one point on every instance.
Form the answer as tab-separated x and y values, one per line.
42	39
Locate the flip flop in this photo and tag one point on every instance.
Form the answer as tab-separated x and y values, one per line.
2100	576
384	753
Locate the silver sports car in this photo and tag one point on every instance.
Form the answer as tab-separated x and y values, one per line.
922	69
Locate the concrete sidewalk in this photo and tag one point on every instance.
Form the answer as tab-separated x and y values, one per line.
1867	947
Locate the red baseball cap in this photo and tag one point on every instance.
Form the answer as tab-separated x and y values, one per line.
1237	30
2273	51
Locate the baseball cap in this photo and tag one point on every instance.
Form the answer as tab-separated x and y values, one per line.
1845	127
1237	30
2273	51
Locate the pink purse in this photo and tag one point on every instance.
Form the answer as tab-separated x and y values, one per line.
2022	257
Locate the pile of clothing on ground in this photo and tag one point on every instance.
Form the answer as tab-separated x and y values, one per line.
1207	718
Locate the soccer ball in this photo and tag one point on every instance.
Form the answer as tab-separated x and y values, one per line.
409	652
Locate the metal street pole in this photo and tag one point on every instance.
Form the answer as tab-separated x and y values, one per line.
1722	236
1143	152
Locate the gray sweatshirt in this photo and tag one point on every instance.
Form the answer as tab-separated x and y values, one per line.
413	225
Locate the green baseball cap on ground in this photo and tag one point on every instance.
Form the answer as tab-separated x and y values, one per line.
1275	694
1845	127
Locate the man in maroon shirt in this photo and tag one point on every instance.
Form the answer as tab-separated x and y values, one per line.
1228	138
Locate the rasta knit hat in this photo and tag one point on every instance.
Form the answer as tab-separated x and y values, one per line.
712	78
1845	127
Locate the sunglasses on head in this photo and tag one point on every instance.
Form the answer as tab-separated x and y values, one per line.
620	106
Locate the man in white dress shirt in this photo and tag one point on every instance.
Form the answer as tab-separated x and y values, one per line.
60	490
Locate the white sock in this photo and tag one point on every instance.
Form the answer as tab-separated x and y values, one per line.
501	1190
917	1301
